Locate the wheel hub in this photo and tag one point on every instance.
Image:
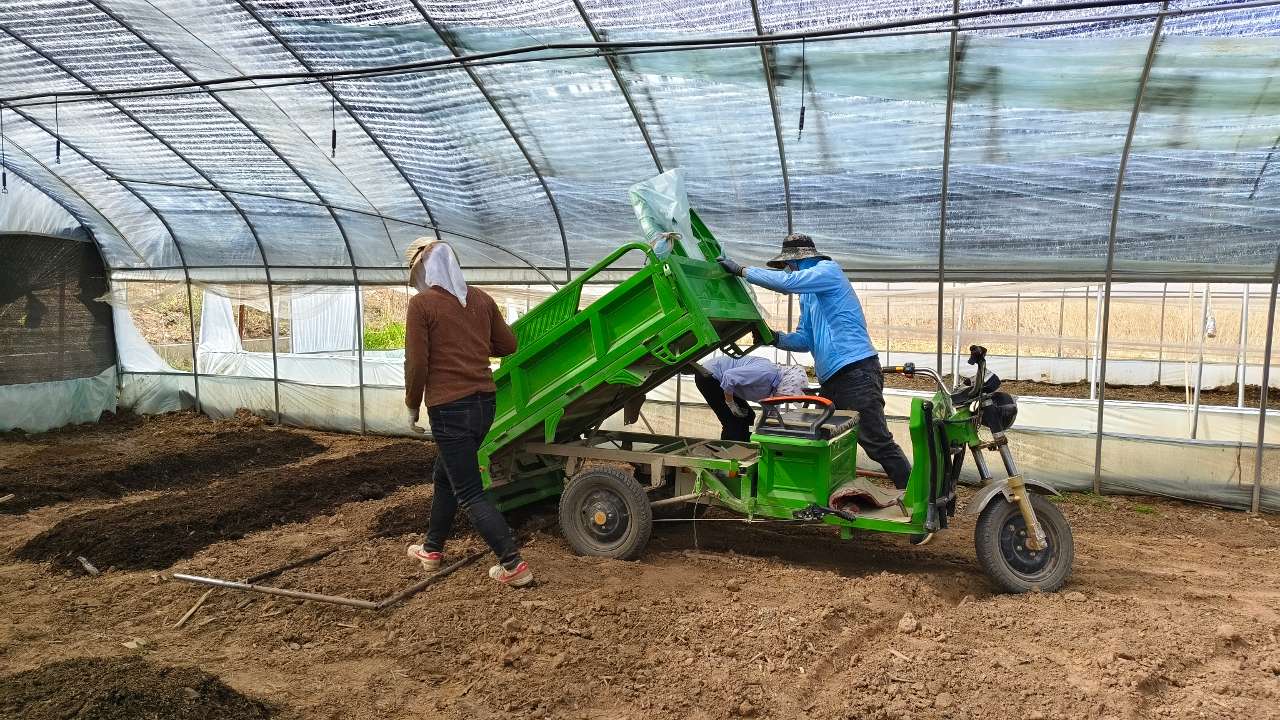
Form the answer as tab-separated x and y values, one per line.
605	516
1013	545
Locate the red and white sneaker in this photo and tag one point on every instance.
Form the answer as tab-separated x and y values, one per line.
519	577
430	560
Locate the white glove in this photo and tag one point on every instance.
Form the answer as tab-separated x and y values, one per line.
413	421
736	409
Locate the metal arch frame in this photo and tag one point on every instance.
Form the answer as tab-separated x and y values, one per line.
1111	241
475	80
23	176
333	93
283	112
355	211
266	266
622	86
182	258
952	72
195	361
106	264
1256	502
777	120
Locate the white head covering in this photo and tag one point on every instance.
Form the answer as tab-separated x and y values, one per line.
793	380
432	262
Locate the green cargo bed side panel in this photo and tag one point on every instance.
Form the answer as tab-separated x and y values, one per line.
576	365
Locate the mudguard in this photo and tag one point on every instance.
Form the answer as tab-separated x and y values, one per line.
983	497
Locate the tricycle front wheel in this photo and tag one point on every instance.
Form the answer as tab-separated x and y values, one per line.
605	512
1000	537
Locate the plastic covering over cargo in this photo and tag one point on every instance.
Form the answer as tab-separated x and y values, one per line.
1091	189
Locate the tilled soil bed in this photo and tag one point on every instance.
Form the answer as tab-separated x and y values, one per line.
155	533
123	688
171	455
1173	610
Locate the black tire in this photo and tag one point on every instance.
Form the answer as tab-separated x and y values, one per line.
604	512
1010	565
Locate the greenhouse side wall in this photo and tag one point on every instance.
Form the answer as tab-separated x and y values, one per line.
57	360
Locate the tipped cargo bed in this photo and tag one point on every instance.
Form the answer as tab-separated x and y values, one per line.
578	364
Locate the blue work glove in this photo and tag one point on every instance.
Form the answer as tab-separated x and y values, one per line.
730	266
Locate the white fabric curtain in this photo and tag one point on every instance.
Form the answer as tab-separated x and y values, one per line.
323	321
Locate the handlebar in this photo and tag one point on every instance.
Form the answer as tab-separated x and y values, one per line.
772	410
909	369
780	399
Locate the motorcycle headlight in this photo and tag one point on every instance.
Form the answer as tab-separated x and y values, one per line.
1000	414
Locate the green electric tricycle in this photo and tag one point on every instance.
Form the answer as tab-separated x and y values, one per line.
580	362
801	466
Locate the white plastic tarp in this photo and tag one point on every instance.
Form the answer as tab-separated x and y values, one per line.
37	407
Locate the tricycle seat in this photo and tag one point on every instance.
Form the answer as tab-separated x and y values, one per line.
808	423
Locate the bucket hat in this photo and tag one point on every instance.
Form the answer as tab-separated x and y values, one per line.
795	246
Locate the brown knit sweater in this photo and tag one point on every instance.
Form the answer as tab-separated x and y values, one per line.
447	346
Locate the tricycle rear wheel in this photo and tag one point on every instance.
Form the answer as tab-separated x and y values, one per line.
1000	539
604	512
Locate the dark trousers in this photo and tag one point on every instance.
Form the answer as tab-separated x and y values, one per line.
860	386
732	427
459	428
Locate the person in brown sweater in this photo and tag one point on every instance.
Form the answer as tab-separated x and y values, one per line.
451	331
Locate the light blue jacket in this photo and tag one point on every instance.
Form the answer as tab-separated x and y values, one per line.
832	325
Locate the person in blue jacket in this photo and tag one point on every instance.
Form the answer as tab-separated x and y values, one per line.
833	328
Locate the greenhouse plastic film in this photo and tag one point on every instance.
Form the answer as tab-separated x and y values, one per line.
37	407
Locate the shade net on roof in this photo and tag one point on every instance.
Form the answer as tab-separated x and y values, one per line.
524	161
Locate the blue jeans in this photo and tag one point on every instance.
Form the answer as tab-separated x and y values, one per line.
459	428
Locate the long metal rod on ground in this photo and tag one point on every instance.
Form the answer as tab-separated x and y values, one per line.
254	579
296	594
386	602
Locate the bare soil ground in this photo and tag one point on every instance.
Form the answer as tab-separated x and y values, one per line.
1173	611
1080	390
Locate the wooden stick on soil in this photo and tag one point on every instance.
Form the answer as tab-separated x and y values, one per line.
7	498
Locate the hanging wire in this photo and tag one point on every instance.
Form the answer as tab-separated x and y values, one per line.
57	134
804	68
333	124
4	167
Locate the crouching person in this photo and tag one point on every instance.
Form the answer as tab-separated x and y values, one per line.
451	331
727	383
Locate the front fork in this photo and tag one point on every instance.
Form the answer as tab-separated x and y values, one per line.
1017	489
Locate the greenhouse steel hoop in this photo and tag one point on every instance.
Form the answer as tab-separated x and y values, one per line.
946	176
191	322
1204	320
1264	390
346	241
622	86
355	211
1242	372
1111	241
330	88
773	110
515	137
195	371
35	123
106	265
830	34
